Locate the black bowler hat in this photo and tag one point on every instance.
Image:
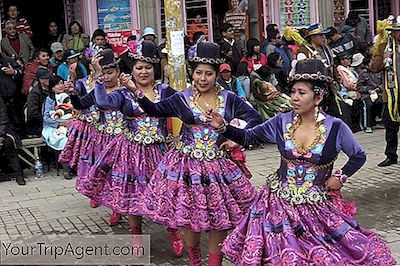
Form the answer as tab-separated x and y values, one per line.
207	53
147	51
108	60
310	70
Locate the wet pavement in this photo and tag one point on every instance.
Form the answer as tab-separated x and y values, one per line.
52	205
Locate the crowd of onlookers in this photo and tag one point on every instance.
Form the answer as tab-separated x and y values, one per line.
258	73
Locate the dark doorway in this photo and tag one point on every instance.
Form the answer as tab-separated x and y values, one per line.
39	13
219	8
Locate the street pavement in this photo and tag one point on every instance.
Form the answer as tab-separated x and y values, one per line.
52	205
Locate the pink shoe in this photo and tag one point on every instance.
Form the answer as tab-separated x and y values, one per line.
195	256
93	203
114	219
176	241
214	259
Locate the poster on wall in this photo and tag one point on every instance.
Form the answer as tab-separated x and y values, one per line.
295	13
118	40
114	15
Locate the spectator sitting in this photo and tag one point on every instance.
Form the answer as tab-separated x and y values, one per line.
349	79
340	42
55	130
63	109
9	143
370	88
243	76
348	76
99	39
72	69
58	55
254	58
75	39
40	59
16	44
22	24
227	54
54	35
275	45
35	102
276	64
229	82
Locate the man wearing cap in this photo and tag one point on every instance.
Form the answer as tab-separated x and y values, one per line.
58	55
40	59
316	47
229	82
340	42
72	69
36	99
388	60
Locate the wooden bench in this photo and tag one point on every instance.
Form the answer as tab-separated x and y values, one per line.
35	144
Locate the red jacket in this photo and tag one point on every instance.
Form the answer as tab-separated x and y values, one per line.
30	75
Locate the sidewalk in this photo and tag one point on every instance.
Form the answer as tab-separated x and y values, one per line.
52	206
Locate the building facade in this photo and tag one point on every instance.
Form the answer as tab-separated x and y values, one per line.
249	17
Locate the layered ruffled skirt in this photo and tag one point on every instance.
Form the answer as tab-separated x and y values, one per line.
94	145
275	232
78	133
197	195
121	173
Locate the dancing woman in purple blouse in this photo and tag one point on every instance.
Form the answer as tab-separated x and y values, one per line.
124	167
197	187
296	218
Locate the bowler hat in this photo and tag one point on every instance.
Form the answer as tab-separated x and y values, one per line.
147	51
310	70
108	60
207	53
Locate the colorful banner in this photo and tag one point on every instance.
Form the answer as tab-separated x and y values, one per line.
114	15
294	13
118	40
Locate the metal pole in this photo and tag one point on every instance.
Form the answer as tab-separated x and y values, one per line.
176	50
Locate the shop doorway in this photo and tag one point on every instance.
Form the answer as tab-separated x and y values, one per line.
39	13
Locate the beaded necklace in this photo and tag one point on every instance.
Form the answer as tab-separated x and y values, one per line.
157	94
196	96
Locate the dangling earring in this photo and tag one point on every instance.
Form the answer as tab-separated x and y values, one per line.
119	83
316	113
